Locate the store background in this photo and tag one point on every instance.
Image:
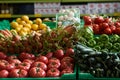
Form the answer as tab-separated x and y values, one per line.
48	8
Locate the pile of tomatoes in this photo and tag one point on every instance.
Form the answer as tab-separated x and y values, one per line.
53	64
101	25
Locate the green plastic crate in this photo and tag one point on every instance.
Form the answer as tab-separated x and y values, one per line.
88	76
71	76
51	24
4	24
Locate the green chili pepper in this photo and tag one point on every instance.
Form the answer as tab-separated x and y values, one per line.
118	40
113	50
108	45
100	44
105	50
91	42
116	46
97	48
96	39
114	38
104	38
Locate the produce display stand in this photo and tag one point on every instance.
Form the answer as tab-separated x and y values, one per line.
71	76
88	76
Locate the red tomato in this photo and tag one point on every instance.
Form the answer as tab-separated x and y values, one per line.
15	61
49	55
117	24
59	54
53	60
24	65
96	28
42	59
104	26
24	55
18	73
87	20
113	28
108	20
9	67
67	59
11	57
53	72
117	31
69	52
65	65
67	70
5	65
3	55
108	31
53	64
37	72
40	64
98	20
4	74
28	60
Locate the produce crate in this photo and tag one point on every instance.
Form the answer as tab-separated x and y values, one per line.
50	24
71	76
88	76
4	24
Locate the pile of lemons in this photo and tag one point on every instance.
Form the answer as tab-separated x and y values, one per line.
24	25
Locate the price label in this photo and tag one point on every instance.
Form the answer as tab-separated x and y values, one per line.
5	15
37	15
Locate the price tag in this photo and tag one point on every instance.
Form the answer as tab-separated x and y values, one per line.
5	15
37	15
117	14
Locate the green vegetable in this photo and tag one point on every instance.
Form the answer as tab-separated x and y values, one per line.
96	39
114	38
104	38
116	46
105	50
108	45
97	48
91	42
118	40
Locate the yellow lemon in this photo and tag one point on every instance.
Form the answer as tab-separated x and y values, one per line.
13	31
14	24
44	29
27	25
35	27
38	21
22	22
18	20
25	18
42	26
22	33
30	22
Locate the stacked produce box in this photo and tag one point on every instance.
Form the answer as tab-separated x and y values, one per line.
97	53
31	50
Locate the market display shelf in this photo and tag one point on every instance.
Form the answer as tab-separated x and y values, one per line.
47	15
88	76
32	15
90	0
27	1
32	1
70	76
